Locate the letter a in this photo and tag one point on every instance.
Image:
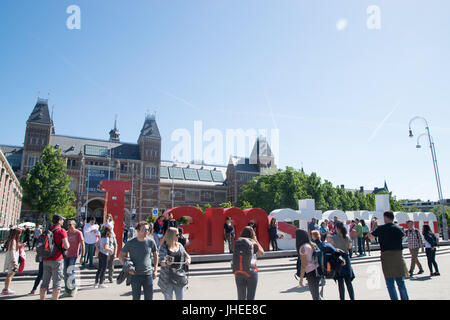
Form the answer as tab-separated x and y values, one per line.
374	21
74	20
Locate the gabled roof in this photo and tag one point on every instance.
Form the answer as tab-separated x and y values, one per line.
72	146
150	128
40	113
261	148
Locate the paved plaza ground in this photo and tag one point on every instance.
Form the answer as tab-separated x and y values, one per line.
275	285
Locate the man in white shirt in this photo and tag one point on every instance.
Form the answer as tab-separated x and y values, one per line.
90	238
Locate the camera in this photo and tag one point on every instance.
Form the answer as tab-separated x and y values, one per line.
169	258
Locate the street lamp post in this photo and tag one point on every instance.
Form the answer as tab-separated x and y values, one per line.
436	170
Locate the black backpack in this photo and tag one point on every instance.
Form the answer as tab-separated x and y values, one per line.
332	261
46	246
242	257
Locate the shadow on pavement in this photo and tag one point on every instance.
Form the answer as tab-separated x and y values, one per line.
296	289
424	278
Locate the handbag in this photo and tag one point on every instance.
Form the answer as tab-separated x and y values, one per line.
178	277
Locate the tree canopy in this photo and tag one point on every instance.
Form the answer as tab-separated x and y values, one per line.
46	186
284	188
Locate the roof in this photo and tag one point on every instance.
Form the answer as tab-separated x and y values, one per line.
72	146
41	113
14	155
244	164
150	128
192	174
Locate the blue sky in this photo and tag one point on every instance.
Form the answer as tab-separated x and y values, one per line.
341	99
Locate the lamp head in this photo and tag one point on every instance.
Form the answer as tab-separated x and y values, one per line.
410	133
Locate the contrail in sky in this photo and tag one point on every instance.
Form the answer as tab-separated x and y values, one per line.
375	132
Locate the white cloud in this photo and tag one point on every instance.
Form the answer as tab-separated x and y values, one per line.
341	24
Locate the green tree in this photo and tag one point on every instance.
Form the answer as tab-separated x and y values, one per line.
245	205
46	186
438	213
226	205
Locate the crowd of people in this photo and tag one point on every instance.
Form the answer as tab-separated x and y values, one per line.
162	244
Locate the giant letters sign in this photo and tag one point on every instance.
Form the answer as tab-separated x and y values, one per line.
206	231
114	204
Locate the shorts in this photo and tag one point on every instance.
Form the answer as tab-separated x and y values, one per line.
52	270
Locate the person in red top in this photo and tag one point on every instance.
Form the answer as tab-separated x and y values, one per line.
53	266
76	240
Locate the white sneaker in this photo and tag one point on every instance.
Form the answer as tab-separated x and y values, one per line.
103	286
7	292
96	286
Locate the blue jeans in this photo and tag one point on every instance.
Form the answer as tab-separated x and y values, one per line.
171	288
246	287
139	282
39	277
401	287
89	254
69	261
360	245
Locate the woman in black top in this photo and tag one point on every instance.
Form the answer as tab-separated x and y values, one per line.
430	249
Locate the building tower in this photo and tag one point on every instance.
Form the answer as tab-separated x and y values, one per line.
114	134
37	135
262	155
150	154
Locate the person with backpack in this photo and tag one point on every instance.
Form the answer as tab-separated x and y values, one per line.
414	244
246	251
305	249
11	265
174	259
393	264
431	243
345	274
56	243
229	233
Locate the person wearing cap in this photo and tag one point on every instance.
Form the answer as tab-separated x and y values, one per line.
53	266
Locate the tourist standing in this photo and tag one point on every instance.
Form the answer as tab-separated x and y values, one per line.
158	230
170	222
323	231
76	240
365	239
11	265
312	226
53	266
359	230
140	250
273	234
246	283
390	237
345	274
414	244
173	256
106	248
36	235
354	237
27	237
111	259
305	249
181	238
90	239
229	233
431	242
